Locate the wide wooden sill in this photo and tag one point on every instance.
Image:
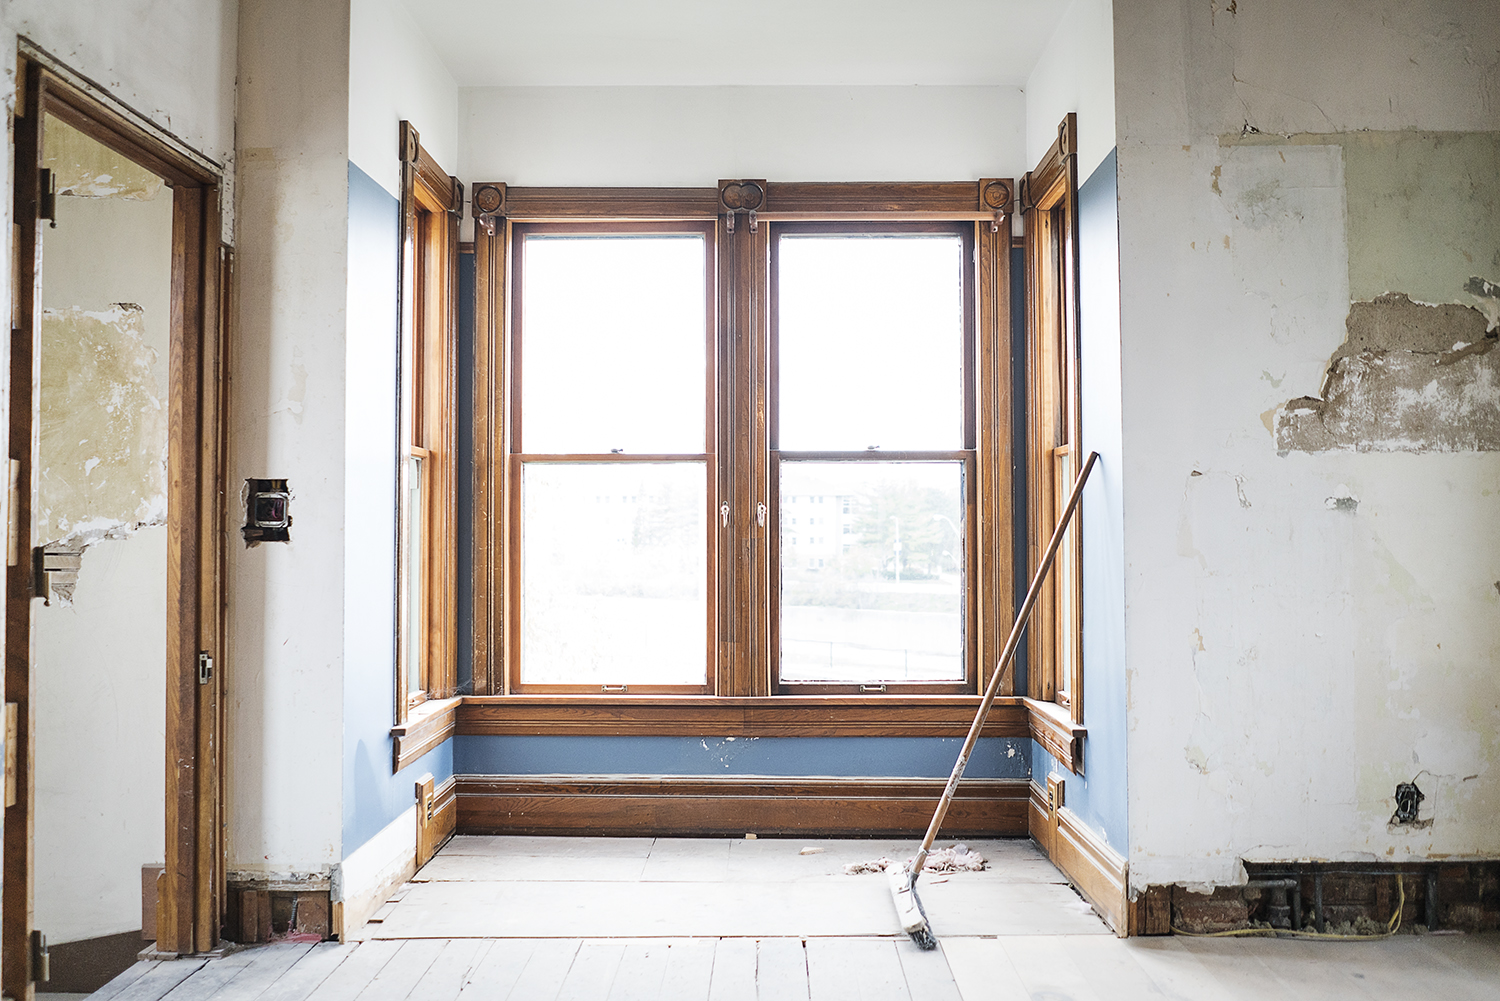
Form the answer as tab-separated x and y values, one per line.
704	715
426	726
1052	726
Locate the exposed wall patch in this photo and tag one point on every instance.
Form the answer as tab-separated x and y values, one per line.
1487	294
87	169
102	428
1408	378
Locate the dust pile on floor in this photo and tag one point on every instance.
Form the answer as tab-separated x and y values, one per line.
955	859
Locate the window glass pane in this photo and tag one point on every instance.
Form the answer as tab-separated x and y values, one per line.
415	626
872	571
870	342
614	574
612	355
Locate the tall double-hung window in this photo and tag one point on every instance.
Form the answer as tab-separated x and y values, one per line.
751	440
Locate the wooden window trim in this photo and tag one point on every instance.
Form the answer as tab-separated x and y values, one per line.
967	455
427	393
742	667
517	458
1049	203
728	716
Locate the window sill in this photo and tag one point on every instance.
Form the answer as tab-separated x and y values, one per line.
426	726
1052	726
772	716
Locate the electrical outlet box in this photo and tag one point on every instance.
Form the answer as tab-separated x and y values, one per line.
268	516
1055	790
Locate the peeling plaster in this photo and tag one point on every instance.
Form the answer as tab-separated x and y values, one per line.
1408	378
102	428
87	169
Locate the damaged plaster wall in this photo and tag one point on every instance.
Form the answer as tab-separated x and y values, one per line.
1415	371
1309	621
287	420
100	645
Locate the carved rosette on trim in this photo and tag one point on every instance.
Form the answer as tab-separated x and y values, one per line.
994	197
741	196
488	205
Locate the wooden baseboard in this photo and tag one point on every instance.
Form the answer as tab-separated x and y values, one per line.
628	805
1097	870
437	816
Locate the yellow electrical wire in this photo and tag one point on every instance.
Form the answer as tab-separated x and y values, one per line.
1391	927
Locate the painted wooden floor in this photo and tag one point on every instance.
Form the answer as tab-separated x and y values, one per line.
1036	945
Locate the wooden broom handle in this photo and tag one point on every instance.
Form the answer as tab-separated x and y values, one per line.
1002	669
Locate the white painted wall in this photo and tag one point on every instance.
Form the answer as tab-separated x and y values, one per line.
394	74
172	61
696	135
1075	72
285	712
1289	663
100	680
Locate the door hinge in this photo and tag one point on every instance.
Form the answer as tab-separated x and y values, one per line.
41	961
47	202
205	667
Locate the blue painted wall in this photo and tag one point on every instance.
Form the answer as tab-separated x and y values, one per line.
896	757
372	796
1098	796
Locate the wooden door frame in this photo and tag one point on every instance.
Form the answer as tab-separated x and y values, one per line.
191	891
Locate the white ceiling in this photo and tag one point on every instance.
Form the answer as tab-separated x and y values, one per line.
495	43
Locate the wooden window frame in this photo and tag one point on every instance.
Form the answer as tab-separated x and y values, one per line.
743	214
517	458
427	381
1049	206
967	455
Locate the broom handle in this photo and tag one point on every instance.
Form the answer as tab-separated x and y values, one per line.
1002	670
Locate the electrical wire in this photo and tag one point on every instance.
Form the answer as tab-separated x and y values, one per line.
1391	927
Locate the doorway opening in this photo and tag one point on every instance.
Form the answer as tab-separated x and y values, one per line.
114	603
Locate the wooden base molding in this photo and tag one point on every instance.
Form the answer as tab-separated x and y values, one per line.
643	806
1094	868
437	816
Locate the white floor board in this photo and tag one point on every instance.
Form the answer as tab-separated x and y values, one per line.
354	974
733	971
855	969
592	972
642	971
982	970
926	971
158	981
640	910
546	969
523	845
1176	972
531	868
449	972
781	969
690	970
315	966
494	976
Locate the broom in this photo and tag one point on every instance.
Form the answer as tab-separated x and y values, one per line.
903	879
